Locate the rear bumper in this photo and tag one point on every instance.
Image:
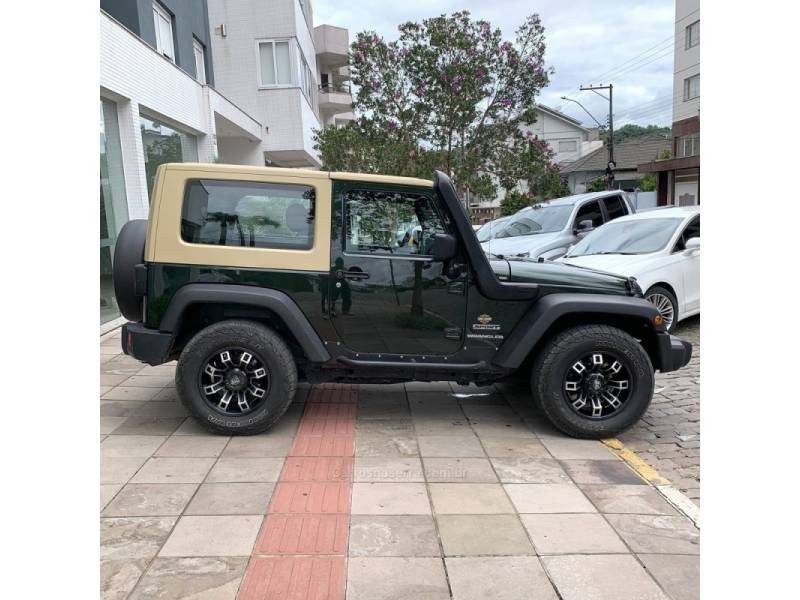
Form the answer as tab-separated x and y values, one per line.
145	344
671	352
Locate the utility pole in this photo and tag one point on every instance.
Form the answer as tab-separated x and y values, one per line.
610	98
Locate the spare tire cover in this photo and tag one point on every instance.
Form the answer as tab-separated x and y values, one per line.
128	253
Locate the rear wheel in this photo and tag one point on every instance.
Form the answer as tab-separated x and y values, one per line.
236	377
593	381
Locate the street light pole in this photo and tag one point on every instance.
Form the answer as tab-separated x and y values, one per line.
611	163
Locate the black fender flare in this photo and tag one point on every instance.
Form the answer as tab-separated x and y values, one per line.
541	316
223	293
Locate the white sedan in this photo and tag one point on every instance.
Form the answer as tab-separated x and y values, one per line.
660	248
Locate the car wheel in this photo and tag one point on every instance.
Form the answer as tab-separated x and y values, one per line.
593	381
236	377
666	303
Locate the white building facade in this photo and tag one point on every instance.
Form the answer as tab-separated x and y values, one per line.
568	139
155	106
269	59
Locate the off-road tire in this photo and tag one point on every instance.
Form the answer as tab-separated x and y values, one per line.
657	289
267	346
560	353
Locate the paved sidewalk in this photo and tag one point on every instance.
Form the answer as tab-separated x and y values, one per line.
668	437
374	492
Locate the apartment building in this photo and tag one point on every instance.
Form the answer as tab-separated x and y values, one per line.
157	104
679	176
270	59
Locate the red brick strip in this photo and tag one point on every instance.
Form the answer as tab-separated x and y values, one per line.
301	551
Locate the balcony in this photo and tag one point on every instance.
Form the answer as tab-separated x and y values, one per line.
335	98
331	44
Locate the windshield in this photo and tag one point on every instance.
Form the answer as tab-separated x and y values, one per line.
627	237
490	229
539	219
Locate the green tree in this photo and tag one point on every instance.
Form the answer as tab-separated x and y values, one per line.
448	94
632	131
515	201
648	183
596	185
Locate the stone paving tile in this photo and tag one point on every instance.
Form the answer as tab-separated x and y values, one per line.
110	424
565	448
393	535
529	470
127	446
678	574
150	499
390	499
506	578
601	471
245	470
162	410
376	444
212	536
548	498
118	577
231	499
466	445
469	499
657	534
118	408
155	381
317	468
601	577
124	392
469	535
134	425
572	534
394	578
119	469
312	497
504	447
459	470
632	499
192	446
173	470
107	493
388	469
266	445
133	537
214	578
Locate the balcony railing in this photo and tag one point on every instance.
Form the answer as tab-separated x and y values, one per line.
337	88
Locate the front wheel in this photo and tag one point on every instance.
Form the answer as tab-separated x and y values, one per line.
666	303
593	381
236	377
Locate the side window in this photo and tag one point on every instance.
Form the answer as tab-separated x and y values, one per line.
692	230
590	212
250	214
382	222
615	207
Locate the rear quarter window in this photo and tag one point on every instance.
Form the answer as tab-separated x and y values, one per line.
248	214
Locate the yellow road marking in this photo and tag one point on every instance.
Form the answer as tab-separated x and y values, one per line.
644	470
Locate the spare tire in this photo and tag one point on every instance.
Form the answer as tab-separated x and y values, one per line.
128	253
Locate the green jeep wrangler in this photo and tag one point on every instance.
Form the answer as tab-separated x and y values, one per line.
254	278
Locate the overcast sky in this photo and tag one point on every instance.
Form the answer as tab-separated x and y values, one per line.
586	40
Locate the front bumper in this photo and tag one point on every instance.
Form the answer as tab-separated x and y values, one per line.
671	352
146	344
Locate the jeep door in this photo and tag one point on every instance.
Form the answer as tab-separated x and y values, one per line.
385	292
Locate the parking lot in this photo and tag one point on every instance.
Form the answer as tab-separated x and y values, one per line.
375	492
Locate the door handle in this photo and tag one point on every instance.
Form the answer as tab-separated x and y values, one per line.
354	275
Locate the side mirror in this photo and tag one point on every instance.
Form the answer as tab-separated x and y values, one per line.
692	244
584	226
444	247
